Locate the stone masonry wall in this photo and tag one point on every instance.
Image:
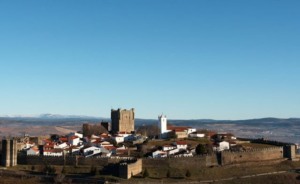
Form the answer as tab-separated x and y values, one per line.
251	156
127	170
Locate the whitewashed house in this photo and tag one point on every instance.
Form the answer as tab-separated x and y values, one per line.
197	135
191	130
90	151
159	154
181	145
74	140
33	151
76	134
174	151
54	152
168	147
221	146
118	139
61	146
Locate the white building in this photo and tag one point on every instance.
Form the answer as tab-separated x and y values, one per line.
191	130
76	134
90	151
162	124
174	151
181	145
221	146
61	146
159	154
197	135
168	147
118	139
73	140
33	151
53	152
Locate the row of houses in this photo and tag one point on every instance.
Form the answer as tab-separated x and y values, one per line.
74	143
179	148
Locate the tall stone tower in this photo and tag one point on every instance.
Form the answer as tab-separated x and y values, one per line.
9	152
122	120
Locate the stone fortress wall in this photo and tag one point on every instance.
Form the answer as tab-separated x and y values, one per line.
221	158
69	160
127	170
273	153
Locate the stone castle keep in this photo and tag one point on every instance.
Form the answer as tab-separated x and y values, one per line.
122	120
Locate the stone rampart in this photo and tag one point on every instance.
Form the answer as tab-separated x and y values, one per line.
69	160
196	162
127	170
228	157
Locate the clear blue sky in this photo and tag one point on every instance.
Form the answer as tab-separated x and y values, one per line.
189	59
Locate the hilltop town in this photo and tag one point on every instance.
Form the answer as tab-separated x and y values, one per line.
115	152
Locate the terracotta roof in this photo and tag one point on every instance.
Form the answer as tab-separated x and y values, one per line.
63	139
110	147
170	127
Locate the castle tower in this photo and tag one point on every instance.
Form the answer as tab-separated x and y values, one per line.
122	120
9	152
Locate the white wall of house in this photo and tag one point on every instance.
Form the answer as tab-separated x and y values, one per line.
191	130
63	145
168	147
76	134
197	135
159	154
181	146
53	153
118	139
223	146
174	151
74	141
90	151
31	151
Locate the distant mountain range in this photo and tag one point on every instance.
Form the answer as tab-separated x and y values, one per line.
287	130
53	119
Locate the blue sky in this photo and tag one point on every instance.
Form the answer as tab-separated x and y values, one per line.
188	59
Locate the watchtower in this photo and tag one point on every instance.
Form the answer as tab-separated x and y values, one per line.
9	152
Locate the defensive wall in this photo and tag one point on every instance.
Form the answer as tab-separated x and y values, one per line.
255	155
196	162
266	141
219	158
69	160
127	170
